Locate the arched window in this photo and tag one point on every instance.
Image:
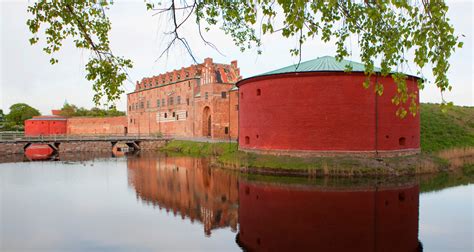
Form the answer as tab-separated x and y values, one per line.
259	92
247	140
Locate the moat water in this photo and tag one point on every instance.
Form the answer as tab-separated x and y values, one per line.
151	202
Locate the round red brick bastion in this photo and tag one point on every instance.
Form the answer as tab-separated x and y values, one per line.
320	110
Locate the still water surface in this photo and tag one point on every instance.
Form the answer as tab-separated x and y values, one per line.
154	202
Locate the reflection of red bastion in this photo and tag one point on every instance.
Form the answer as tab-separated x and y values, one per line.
320	109
293	218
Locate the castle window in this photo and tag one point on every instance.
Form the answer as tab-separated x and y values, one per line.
129	108
224	95
189	83
187	101
174	114
177	117
237	107
178	100
187	75
186	114
179	77
242	95
158	103
402	141
163	103
148	104
226	130
131	120
171	101
166	115
206	95
142	104
247	140
259	92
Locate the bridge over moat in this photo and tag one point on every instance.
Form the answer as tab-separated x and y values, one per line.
18	143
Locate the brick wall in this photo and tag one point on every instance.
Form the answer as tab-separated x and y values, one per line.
45	126
96	125
322	112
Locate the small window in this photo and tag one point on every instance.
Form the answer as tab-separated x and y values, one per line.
129	108
174	114
131	120
178	100
237	107
402	141
259	92
158	103
242	95
187	101
186	114
166	115
163	103
224	95
177	117
247	140
148	104
189	83
206	95
171	101
226	130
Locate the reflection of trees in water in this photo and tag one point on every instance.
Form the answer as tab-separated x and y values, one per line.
188	187
275	217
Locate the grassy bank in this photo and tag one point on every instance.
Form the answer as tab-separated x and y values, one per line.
441	131
446	140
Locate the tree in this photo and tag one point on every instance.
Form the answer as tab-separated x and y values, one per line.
2	116
386	30
20	112
70	110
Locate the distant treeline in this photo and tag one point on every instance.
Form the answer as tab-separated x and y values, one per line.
19	112
70	110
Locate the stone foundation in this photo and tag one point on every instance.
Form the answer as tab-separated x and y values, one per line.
306	153
85	146
12	148
152	145
8	148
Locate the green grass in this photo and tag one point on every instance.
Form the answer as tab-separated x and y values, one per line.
446	130
199	148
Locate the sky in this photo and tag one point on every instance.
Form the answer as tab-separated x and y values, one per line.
27	76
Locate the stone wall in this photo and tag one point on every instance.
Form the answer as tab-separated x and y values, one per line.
11	148
85	146
152	144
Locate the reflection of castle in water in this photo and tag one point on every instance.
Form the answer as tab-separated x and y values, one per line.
188	187
299	218
280	217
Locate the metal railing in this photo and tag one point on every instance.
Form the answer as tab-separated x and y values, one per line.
20	136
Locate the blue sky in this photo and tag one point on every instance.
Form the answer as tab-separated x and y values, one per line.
27	76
